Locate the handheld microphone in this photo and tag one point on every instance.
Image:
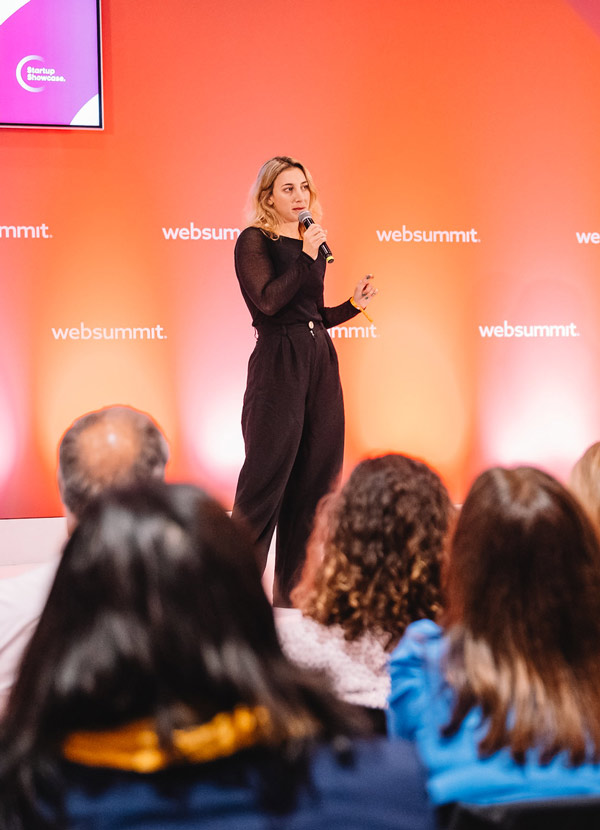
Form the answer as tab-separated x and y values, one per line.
305	217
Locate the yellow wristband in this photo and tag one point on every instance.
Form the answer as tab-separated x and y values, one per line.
359	308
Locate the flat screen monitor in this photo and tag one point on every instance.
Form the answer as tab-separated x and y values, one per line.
50	64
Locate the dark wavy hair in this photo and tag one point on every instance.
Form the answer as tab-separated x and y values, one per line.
523	614
375	555
157	609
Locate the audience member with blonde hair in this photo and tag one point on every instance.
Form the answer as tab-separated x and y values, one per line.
293	411
585	481
373	566
504	702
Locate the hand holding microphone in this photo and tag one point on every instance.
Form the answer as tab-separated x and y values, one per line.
315	235
305	217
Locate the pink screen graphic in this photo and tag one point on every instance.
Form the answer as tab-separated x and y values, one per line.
49	63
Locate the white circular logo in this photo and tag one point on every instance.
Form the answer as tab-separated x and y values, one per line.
20	66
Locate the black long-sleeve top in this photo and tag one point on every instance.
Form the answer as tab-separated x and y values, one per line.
281	284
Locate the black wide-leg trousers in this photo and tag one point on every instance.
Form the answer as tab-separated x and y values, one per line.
293	428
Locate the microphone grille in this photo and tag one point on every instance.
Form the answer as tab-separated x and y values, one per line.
304	215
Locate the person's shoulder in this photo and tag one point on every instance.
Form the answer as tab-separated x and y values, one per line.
424	631
253	235
415	669
250	231
351	784
425	628
379	756
304	640
252	242
377	771
420	638
293	620
384	755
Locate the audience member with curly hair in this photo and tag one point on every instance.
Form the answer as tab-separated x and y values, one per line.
503	704
373	566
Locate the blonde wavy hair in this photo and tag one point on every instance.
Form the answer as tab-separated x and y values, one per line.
260	214
374	559
584	482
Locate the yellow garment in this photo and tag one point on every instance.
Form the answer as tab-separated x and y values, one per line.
136	747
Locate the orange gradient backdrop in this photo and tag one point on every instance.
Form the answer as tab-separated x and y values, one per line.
416	114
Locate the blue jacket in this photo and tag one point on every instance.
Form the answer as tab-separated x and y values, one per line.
420	705
382	788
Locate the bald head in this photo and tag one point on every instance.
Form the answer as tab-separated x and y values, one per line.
114	447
